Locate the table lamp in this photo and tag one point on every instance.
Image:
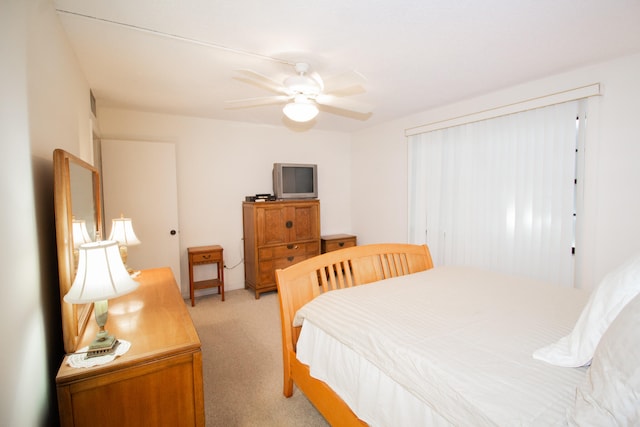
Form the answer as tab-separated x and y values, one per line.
101	276
80	233
122	232
80	236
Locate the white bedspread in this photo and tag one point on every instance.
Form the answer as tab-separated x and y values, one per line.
459	340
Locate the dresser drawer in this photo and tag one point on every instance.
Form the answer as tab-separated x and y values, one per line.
288	250
267	268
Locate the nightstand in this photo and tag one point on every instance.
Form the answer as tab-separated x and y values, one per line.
201	255
334	242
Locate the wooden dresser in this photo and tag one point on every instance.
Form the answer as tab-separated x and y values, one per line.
277	235
157	382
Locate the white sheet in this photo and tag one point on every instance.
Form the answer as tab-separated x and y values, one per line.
459	340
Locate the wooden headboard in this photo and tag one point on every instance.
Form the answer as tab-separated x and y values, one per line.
344	268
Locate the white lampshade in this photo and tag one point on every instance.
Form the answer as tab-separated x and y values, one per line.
301	110
101	274
80	233
122	232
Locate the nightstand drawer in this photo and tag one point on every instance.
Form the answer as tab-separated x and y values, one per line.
337	241
205	258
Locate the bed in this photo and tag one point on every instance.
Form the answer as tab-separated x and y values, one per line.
456	346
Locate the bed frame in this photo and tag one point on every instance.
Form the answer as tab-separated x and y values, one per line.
340	269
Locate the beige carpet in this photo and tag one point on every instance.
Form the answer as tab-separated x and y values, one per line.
242	363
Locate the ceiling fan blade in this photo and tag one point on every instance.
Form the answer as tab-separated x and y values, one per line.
257	102
344	81
252	77
343	103
315	76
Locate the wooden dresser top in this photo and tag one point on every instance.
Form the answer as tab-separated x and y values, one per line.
154	319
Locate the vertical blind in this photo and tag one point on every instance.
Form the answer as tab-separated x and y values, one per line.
499	193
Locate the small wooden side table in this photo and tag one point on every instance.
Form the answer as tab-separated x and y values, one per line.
334	242
200	255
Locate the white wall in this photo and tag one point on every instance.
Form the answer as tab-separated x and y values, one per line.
610	225
221	162
23	367
44	105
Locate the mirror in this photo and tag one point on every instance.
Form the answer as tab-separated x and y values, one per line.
76	189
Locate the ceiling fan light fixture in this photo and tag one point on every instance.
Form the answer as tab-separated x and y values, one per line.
301	110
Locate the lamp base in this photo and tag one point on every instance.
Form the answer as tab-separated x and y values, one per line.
102	345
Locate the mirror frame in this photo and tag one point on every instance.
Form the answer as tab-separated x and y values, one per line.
74	316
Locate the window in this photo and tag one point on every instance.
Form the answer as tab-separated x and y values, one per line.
499	194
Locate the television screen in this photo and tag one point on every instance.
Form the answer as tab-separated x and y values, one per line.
295	181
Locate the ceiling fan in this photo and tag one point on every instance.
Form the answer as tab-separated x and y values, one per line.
303	92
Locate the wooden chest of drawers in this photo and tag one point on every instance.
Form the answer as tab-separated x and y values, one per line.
157	382
277	235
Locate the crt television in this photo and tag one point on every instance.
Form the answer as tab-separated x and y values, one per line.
295	181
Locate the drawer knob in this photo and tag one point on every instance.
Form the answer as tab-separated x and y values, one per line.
289	258
289	224
341	244
207	256
290	246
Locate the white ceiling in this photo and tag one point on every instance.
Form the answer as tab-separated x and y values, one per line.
179	56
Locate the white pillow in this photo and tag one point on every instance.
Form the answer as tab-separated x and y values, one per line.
610	394
606	301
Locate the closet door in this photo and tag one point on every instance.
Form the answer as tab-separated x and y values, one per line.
139	180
